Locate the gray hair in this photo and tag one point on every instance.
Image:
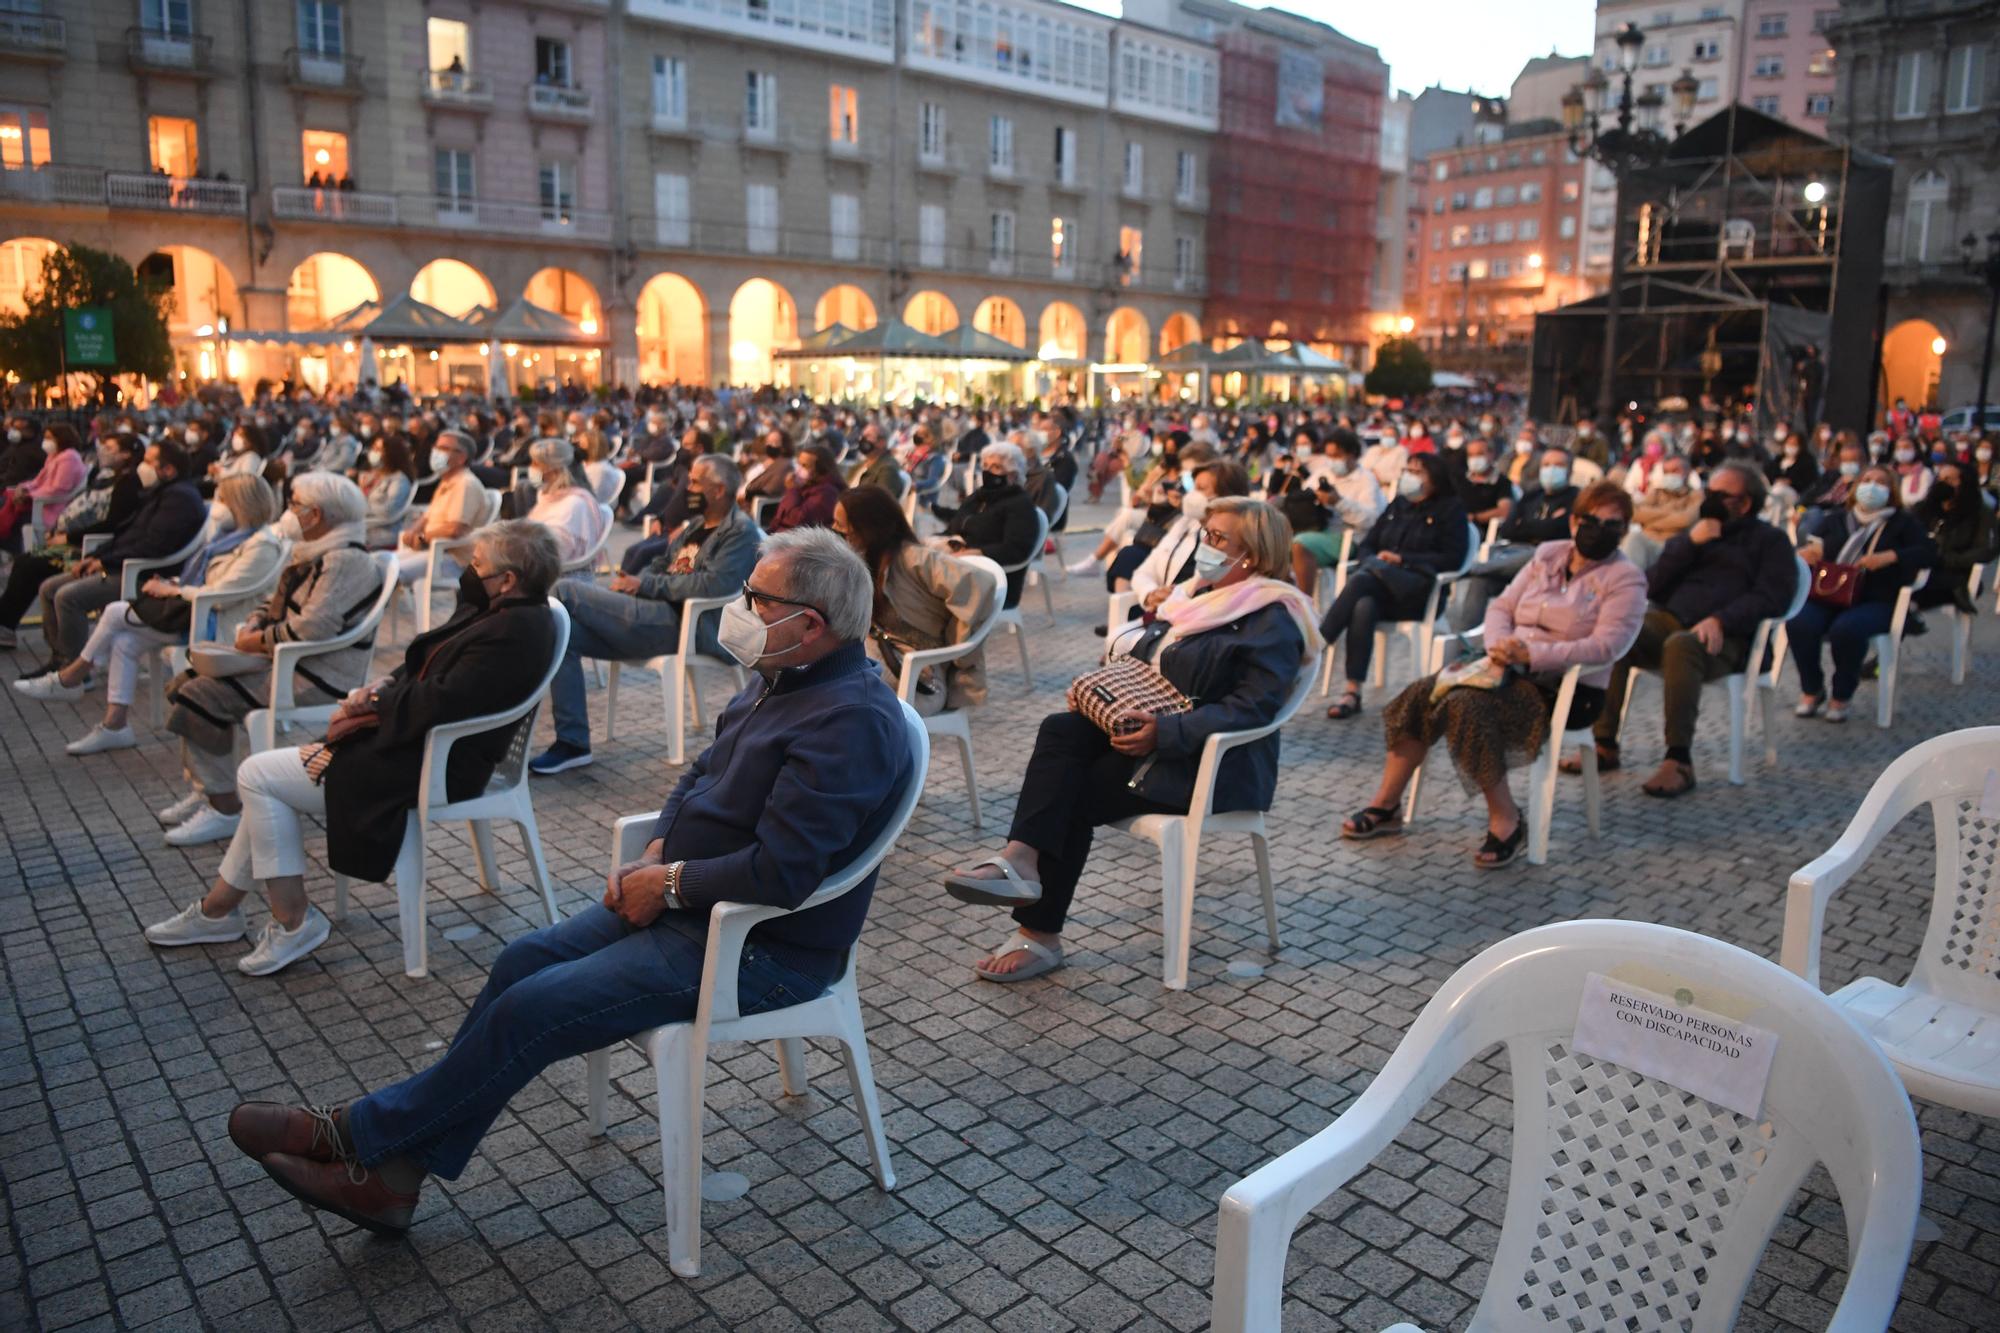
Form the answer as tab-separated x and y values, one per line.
1754	485
560	455
337	499
1009	456
458	440
823	571
724	467
524	548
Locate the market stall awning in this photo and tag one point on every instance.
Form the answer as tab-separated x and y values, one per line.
404	320
974	345
819	340
891	337
526	322
287	337
1188	356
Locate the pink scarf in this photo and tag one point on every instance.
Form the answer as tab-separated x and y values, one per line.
1190	612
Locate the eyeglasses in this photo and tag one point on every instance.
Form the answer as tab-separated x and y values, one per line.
751	597
1615	526
1217	537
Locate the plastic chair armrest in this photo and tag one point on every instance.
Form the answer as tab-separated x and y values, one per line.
95	540
728	927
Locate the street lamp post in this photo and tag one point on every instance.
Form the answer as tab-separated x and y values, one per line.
1988	269
1629	142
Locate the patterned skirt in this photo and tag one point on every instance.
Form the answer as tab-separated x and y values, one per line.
1487	731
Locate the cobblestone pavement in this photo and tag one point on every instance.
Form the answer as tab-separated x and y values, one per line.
1060	1147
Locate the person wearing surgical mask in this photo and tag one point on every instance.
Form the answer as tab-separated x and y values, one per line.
61	475
458	505
21	455
1876	533
245	455
1233	639
1541	516
1669	507
1913	474
637	615
811	493
998	519
564	503
1172	559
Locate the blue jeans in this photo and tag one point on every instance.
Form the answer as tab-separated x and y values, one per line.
645	552
1847	631
563	991
614	626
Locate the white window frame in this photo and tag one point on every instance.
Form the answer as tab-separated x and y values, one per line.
317	20
930	235
1924	219
1066	154
1965	78
555	183
1000	145
673	221
1062	246
843	115
843	223
1186	177
1911	95
1184	263
1000	241
462	199
760	217
167	18
1134	176
568	61
1769	67
932	132
669	91
760	105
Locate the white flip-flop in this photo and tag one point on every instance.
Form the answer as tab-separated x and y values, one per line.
1042	959
1012	891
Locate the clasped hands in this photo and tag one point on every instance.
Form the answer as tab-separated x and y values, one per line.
637	890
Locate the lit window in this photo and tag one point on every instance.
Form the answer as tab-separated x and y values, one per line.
173	145
324	155
1131	253
843	114
24	137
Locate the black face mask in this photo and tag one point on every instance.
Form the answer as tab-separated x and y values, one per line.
992	481
1595	541
697	501
472	590
1716	507
1942	493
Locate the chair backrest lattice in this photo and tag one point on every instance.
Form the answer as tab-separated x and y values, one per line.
1967	917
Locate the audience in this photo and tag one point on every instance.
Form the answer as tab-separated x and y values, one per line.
878	467
1706	593
998	519
458	503
923	599
244	551
1965	532
1913	476
1889	545
44	496
1576	602
1541	516
817	758
811	493
387	482
1420	535
1234	639
564	502
1171	562
639	615
1667	507
362	778
769	464
1327	505
329	587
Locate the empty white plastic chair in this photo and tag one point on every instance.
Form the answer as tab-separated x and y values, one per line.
507	798
429	585
1010	616
1889	651
1417	633
1961	625
263	726
1179	840
679	1053
1747	687
1941	1027
1060	569
680	691
583	563
1542	773
953	722
1630	1201
1037	572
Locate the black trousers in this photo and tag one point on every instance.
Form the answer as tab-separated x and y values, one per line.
24	584
1075	784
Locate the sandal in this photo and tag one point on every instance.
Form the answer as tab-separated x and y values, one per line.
1836	711
1674	793
1372	821
1810	705
1041	961
1607	760
1346	706
1501	850
1011	891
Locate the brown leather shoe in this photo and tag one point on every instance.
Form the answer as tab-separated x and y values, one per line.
356	1193
262	1128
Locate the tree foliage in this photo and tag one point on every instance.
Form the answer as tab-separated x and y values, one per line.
76	275
1401	370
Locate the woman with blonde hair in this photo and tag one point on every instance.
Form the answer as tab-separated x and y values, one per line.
1233	639
564	502
243	550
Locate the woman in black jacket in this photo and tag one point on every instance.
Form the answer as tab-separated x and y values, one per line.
1233	640
1955	516
363	776
1875	532
998	519
1421	534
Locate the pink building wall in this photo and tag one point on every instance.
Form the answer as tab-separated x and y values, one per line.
1802	49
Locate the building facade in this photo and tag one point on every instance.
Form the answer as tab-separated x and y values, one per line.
1394	237
1923	89
695	183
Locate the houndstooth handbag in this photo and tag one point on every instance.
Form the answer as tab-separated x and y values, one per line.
1112	694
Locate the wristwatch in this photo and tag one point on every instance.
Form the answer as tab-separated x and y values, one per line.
673	886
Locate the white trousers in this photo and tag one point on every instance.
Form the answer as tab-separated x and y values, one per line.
116	645
410	566
270	841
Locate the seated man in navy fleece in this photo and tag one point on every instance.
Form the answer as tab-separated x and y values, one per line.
805	772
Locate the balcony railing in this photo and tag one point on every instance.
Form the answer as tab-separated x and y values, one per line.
319	70
163	52
550	99
173	194
34	35
305	203
582	224
53	184
735	238
456	88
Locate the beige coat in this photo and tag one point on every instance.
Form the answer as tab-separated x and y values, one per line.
1662	513
933	600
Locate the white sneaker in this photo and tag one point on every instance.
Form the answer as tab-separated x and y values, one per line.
1083	566
180	811
101	738
194	927
278	948
205	825
50	689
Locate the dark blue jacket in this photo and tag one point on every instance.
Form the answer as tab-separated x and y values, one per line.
1746	575
1902	533
1239	676
1430	537
804	774
167	519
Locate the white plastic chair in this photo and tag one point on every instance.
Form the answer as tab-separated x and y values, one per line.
1037	572
264	725
1054	541
1010	616
764	509
429	583
1118	614
679	1053
507	798
1179	840
1629	1200
229	608
1492	536
582	564
953	722
1542	773
1417	633
1746	688
1941	1027
1889	651
1961	625
132	573
680	691
36	534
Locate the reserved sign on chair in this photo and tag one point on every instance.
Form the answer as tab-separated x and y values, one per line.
1715	1058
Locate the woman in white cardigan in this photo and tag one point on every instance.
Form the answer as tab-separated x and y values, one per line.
243	550
564	502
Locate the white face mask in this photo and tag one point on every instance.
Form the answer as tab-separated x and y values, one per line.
241	444
220	518
1906	455
1524	446
289	526
745	635
1673	481
1341	467
49	448
1984	453
1409	486
1210	562
440	460
1871	495
149	476
1478	464
13	437
1195	506
374	458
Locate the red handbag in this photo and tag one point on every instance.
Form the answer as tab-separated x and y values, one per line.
1835	584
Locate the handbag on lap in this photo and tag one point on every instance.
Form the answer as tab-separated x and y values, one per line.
1114	694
